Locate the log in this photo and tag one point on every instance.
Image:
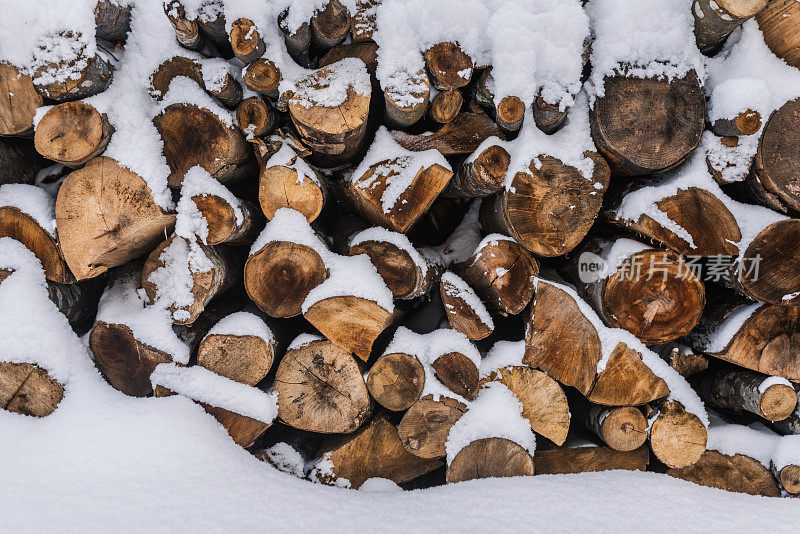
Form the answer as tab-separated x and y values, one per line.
461	136
403	108
396	381
508	113
220	216
330	25
243	430
72	133
548	117
788	477
28	389
374	451
488	458
196	136
457	372
279	276
767	270
502	274
19	107
297	42
681	358
174	260
426	425
320	388
563	342
651	293
256	117
678	438
79	78
263	77
714	21
737	473
19	163
569	460
549	209
445	106
112	20
349	321
287	181
334	133
246	42
544	404
465	311
779	21
741	390
637	136
363	25
623	428
106	216
448	66
186	31
746	122
20	226
480	175
244	358
227	89
776	165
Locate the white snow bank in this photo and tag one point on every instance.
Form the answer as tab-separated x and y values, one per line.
33	201
756	441
380	485
289	225
242	324
328	86
302	340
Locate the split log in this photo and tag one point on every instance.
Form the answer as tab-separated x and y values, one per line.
408	273
245	358
490	458
375	451
646	125
246	42
737	473
651	293
112	20
79	78
221	221
279	276
746	122
320	388
363	25
448	66
763	338
544	404
193	135
263	77
779	21
19	163
768	270
777	165
18	225
330	25
445	106
457	372
748	391
243	430
186	31
564	343
351	322
548	117
481	174
298	41
461	136
678	438
28	389
106	216
548	210
426	425
72	133
170	259
287	181
226	89
404	108
623	428
465	311
502	273
788	476
19	106
255	116
681	358
396	381
569	460
714	21
334	133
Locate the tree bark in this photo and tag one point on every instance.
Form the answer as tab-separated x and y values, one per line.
779	21
320	388
490	458
548	210
19	163
737	473
405	109
741	391
243	358
714	21
28	389
186	31
72	133
462	136
106	217
426	425
644	125
111	20
678	438
297	43
396	381
21	100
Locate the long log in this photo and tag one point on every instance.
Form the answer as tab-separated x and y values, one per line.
28	389
737	473
461	136
548	117
19	107
779	21
72	133
187	31
568	460
748	391
287	181
221	221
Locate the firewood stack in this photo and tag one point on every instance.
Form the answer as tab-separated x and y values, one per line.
374	252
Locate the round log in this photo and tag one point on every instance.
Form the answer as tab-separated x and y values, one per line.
330	25
777	163
28	389
789	477
72	133
255	116
405	278
458	373
482	176
246	42
445	106
623	428
459	300
396	381
426	425
221	219
112	20
263	77
282	186
490	458
404	109
22	227
448	66
186	31
548	117
243	358
229	91
68	81
678	438
19	107
747	122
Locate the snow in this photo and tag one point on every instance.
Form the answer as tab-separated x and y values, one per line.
382	235
717	339
503	354
174	280
495	413
756	441
396	166
286	459
380	485
183	90
351	275
287	157
122	303
33	201
615	253
202	385
458	288
773	381
289	225
302	340
328	86
190	222
642	38
242	324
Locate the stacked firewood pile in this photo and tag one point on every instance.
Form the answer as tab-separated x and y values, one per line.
366	263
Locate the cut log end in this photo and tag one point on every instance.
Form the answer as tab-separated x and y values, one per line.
490	457
678	438
284	187
449	67
19	107
246	41
72	133
458	373
28	389
426	425
246	359
624	428
396	381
